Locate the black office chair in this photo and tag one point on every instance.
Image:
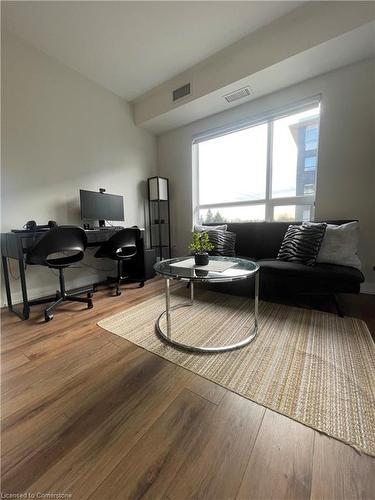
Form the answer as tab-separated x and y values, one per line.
61	247
122	247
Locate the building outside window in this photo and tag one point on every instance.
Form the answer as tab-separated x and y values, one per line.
264	172
310	163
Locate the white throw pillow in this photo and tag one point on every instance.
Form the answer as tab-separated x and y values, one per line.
200	229
340	245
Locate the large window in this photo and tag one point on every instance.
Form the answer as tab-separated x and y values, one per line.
266	171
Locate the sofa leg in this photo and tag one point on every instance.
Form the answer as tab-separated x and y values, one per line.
337	305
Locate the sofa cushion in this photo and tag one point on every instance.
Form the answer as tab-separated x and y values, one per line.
324	272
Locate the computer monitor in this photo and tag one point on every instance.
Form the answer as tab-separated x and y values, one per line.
101	206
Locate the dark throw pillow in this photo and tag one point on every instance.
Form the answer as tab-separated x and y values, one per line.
302	243
224	242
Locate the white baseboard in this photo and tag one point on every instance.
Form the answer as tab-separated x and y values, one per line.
368	287
49	290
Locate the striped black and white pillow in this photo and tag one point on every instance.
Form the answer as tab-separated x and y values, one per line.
223	241
302	244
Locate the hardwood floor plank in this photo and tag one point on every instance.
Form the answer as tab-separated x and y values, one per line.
49	382
151	464
30	436
72	349
82	469
131	381
216	465
114	339
33	330
360	306
280	465
78	401
92	384
77	396
341	472
12	361
207	389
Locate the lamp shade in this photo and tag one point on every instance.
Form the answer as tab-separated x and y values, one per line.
158	189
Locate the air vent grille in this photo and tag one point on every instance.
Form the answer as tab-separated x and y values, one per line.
181	92
238	94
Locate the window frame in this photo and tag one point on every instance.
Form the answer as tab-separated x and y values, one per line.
268	201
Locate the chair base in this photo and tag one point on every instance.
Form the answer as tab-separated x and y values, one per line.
116	282
72	297
63	296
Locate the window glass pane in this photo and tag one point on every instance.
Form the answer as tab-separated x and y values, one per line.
310	163
294	153
309	189
233	214
311	137
292	213
233	167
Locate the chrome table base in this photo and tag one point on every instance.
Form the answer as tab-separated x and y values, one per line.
167	336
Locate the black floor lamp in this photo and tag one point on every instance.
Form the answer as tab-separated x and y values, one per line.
159	216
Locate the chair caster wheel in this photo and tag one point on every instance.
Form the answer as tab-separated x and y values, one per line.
118	292
90	305
141	284
48	317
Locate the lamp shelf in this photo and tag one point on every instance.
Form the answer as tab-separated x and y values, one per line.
159	215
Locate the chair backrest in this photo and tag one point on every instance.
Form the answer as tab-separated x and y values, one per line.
122	245
59	247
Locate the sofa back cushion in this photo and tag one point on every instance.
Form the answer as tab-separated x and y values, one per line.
262	240
198	228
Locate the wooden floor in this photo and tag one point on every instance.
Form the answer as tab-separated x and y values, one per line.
88	414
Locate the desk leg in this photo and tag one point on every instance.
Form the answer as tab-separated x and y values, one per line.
7	283
26	307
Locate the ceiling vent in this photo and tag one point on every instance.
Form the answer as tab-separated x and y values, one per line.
238	94
181	92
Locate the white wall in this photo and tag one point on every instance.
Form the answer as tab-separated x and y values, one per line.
62	132
346	175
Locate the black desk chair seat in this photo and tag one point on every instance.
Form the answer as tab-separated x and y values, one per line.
59	248
121	247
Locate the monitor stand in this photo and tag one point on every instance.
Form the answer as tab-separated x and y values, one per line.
101	223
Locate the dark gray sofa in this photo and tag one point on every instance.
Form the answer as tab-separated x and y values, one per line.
260	241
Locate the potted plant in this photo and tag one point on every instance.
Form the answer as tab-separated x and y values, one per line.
200	246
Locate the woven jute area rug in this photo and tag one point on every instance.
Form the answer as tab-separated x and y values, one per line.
313	367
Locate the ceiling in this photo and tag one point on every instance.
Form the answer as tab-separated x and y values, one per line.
131	47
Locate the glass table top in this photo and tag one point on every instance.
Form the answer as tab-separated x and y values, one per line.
183	268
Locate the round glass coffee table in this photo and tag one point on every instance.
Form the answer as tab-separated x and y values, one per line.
219	270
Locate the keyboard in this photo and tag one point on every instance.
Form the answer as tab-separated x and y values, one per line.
30	231
107	228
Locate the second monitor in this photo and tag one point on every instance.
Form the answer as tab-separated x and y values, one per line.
101	206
